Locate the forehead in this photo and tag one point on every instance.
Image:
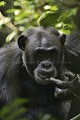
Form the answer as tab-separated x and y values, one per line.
43	38
49	40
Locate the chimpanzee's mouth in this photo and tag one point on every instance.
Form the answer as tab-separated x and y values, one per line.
42	79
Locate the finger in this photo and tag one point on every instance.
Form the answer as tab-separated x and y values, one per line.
63	94
60	84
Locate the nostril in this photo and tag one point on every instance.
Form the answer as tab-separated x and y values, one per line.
46	65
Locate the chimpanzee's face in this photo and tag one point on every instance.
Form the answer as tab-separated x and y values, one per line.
42	53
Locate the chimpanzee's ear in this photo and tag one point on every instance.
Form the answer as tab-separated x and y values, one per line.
62	38
22	40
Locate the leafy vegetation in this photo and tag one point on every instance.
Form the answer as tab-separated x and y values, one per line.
62	14
14	110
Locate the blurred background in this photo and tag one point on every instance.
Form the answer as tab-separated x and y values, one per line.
18	15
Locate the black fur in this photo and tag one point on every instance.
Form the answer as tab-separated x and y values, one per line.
72	52
26	68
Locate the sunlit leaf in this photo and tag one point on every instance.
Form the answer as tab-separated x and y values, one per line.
47	7
49	18
2	3
3	19
11	36
54	8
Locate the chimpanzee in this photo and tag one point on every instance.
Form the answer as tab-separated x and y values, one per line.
34	68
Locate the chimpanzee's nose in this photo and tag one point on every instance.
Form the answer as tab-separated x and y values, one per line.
46	65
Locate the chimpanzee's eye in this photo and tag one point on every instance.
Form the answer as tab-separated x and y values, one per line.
39	53
54	53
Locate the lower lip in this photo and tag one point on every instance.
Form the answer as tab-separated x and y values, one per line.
47	79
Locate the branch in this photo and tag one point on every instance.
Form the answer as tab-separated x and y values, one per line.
76	117
6	21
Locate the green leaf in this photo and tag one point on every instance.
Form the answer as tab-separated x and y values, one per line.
16	113
2	3
49	18
11	36
13	110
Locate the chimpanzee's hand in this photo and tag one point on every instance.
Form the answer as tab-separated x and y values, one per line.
66	89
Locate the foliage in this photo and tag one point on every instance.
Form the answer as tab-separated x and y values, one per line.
14	110
61	17
25	13
2	3
60	14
